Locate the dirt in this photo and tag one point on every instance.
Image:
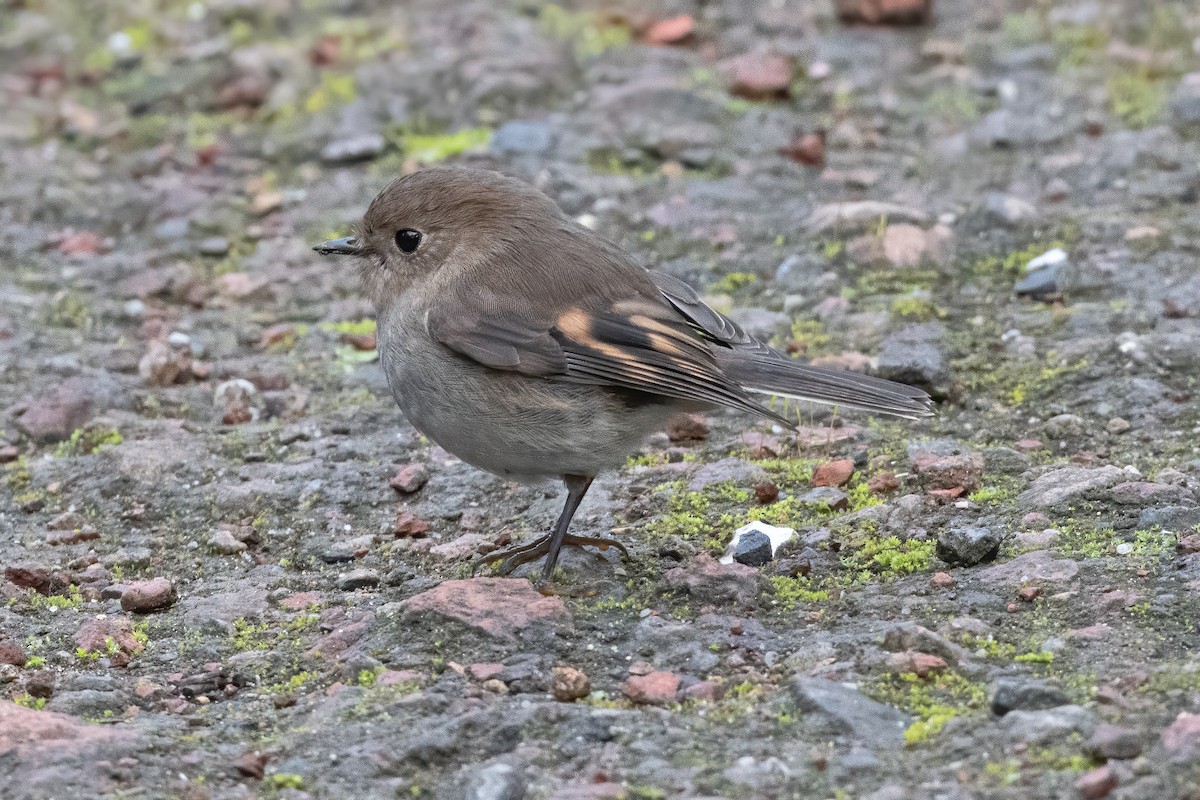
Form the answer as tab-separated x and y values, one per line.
231	568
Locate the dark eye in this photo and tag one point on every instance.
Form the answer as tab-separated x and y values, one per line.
408	240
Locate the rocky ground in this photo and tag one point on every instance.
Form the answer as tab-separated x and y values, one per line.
232	570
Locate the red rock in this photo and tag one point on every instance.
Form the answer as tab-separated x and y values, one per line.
143	597
823	436
942	580
398	677
335	645
1090	633
655	688
363	342
883	483
833	473
687	428
277	334
568	684
11	652
1118	599
676	30
28	735
161	365
244	287
1035	520
40	579
86	533
81	244
251	765
1113	741
765	493
410	478
806	148
704	692
884	12
1028	444
963	471
760	445
759	76
8	454
485	671
457	549
1096	784
1190	543
300	600
921	664
95	634
710	581
408	524
55	416
502	608
1029	593
1182	737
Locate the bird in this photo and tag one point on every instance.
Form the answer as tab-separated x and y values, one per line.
528	345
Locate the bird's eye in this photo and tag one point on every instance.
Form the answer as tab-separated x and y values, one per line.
408	240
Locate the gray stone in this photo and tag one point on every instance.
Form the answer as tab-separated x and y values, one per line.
1169	518
740	472
1062	487
1039	565
800	272
1005	461
217	612
1185	101
1063	426
1041	283
214	246
1018	694
760	322
753	549
968	545
358	579
850	712
224	542
522	138
1051	724
911	636
1114	741
1009	210
353	148
495	782
915	355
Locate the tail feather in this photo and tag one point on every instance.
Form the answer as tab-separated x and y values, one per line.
831	387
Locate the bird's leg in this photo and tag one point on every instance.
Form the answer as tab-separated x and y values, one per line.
550	545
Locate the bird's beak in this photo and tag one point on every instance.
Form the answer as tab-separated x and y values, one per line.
346	246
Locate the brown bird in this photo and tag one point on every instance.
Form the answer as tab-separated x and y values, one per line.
530	346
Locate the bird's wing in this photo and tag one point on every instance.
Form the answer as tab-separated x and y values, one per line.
634	342
759	368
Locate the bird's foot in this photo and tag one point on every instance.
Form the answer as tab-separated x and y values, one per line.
512	557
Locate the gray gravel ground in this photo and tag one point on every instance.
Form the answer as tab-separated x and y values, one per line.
232	570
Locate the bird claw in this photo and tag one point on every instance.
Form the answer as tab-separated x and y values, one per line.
512	557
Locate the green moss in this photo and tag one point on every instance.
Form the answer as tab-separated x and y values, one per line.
791	592
293	684
29	701
588	33
646	460
917	308
432	148
284	780
69	310
250	636
1135	98
89	441
954	105
17	475
1040	657
72	599
996	490
731	283
35	662
889	557
335	89
362	327
934	702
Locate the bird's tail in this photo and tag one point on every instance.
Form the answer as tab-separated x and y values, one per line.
786	378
